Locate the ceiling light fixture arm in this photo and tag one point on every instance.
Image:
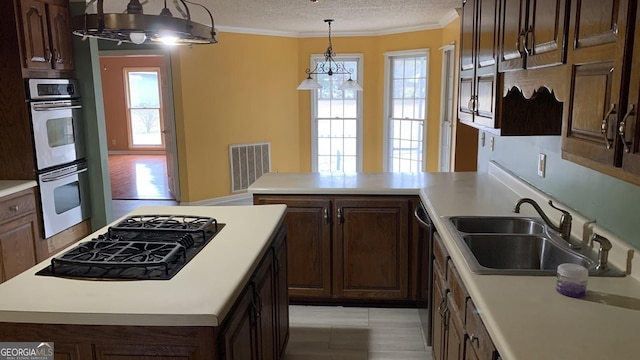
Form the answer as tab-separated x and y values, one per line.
213	24
329	66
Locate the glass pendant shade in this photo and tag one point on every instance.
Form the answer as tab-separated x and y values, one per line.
309	84
350	85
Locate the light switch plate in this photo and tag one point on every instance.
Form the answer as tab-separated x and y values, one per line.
542	164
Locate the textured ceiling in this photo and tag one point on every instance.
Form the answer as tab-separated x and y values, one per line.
305	18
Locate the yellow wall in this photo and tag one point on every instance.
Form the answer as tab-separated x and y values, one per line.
244	90
241	90
373	49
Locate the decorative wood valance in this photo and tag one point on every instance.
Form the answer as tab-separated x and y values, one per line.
541	114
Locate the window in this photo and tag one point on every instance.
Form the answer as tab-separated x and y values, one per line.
405	109
144	107
336	116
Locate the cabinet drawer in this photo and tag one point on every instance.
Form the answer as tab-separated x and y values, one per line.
458	291
478	335
440	254
17	206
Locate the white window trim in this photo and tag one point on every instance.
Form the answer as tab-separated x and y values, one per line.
314	110
387	105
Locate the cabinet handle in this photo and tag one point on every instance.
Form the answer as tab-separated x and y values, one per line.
325	215
277	260
57	55
472	105
14	208
623	127
476	103
442	308
340	219
474	339
528	46
520	42
604	127
49	55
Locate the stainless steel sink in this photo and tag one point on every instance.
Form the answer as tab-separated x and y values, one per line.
507	225
516	246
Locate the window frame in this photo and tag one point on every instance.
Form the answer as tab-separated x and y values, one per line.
359	58
125	73
388	93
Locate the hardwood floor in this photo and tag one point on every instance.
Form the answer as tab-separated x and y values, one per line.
138	177
354	333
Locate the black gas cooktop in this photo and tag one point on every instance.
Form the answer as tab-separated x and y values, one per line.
142	247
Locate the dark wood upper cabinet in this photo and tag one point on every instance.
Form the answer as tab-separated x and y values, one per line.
603	93
60	29
532	33
46	37
629	129
478	74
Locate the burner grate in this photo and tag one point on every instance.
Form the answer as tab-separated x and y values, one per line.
150	247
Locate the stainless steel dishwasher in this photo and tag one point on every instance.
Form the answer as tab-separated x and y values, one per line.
425	275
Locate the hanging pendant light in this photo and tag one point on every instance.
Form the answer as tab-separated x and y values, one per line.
138	28
329	67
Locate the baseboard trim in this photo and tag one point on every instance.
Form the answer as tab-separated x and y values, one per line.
136	152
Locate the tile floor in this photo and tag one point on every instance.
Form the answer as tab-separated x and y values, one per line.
354	333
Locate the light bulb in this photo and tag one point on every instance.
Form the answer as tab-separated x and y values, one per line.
138	37
168	40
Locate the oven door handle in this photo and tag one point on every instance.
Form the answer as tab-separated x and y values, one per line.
52	108
64	176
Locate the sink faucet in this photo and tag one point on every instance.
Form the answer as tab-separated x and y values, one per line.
603	252
565	220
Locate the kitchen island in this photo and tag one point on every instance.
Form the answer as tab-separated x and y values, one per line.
209	309
524	315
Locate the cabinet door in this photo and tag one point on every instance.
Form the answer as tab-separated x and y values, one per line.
467	35
239	337
37	50
264	284
371	256
17	252
60	30
439	314
513	24
486	68
69	351
466	94
629	127
282	296
308	222
455	333
598	50
546	33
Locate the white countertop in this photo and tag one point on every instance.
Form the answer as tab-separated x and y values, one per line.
525	316
8	187
359	183
200	294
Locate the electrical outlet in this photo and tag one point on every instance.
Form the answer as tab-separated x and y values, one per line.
542	164
491	143
113	141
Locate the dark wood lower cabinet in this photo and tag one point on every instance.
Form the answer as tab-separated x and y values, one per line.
458	331
350	248
240	339
256	327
